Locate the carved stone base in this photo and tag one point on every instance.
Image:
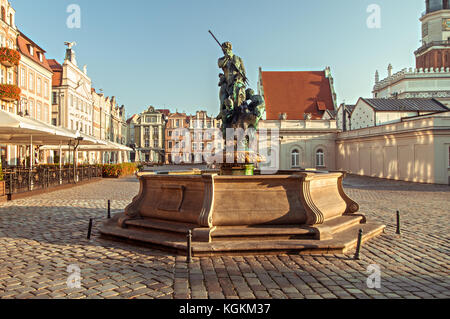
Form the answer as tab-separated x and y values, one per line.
303	212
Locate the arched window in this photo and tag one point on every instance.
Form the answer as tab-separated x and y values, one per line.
320	158
295	158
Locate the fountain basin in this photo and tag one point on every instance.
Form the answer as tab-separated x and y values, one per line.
299	212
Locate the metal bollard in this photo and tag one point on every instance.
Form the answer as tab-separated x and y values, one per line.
358	246
109	209
189	247
398	232
89	229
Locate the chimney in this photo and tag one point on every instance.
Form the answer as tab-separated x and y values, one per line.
377	77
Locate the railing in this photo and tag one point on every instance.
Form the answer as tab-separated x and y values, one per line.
21	180
431	44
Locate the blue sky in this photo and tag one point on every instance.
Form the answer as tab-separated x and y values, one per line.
159	53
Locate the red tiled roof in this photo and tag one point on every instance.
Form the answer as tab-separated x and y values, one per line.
164	111
57	72
23	42
296	93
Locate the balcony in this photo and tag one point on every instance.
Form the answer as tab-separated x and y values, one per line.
9	92
432	44
9	57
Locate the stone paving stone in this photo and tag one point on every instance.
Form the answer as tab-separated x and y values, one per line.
41	236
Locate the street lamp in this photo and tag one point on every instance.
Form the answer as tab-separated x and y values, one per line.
78	139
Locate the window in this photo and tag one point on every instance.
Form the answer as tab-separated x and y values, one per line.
295	158
3	14
2	76
38	110
147	143
46	89
31	49
31	108
10	77
23	78
38	86
71	124
449	156
169	144
31	82
320	158
46	114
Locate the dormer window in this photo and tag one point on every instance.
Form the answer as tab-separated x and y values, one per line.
31	49
40	55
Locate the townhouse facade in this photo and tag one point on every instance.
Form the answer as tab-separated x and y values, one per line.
203	130
176	121
9	59
148	134
72	103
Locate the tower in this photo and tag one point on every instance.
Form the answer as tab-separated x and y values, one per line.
435	49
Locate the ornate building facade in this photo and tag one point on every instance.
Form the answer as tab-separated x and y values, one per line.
435	50
431	76
9	90
148	134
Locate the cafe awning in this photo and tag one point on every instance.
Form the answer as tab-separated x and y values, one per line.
18	130
106	147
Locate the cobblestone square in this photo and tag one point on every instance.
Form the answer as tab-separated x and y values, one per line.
41	236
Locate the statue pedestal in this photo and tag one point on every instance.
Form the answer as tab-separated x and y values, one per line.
301	213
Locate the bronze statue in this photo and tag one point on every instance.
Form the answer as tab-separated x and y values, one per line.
239	106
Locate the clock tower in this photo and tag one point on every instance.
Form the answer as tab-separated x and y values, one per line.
435	49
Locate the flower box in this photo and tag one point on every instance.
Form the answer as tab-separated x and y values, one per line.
9	57
9	92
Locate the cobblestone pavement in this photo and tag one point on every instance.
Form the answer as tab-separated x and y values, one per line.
41	236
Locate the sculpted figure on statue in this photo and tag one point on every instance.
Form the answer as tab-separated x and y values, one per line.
239	108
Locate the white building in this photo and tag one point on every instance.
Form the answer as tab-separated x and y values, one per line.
72	98
431	76
415	83
376	112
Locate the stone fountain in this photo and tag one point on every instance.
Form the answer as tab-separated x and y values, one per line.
238	210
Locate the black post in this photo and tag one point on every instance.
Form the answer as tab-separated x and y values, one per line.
89	229
29	178
358	246
11	183
398	223
189	247
109	209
